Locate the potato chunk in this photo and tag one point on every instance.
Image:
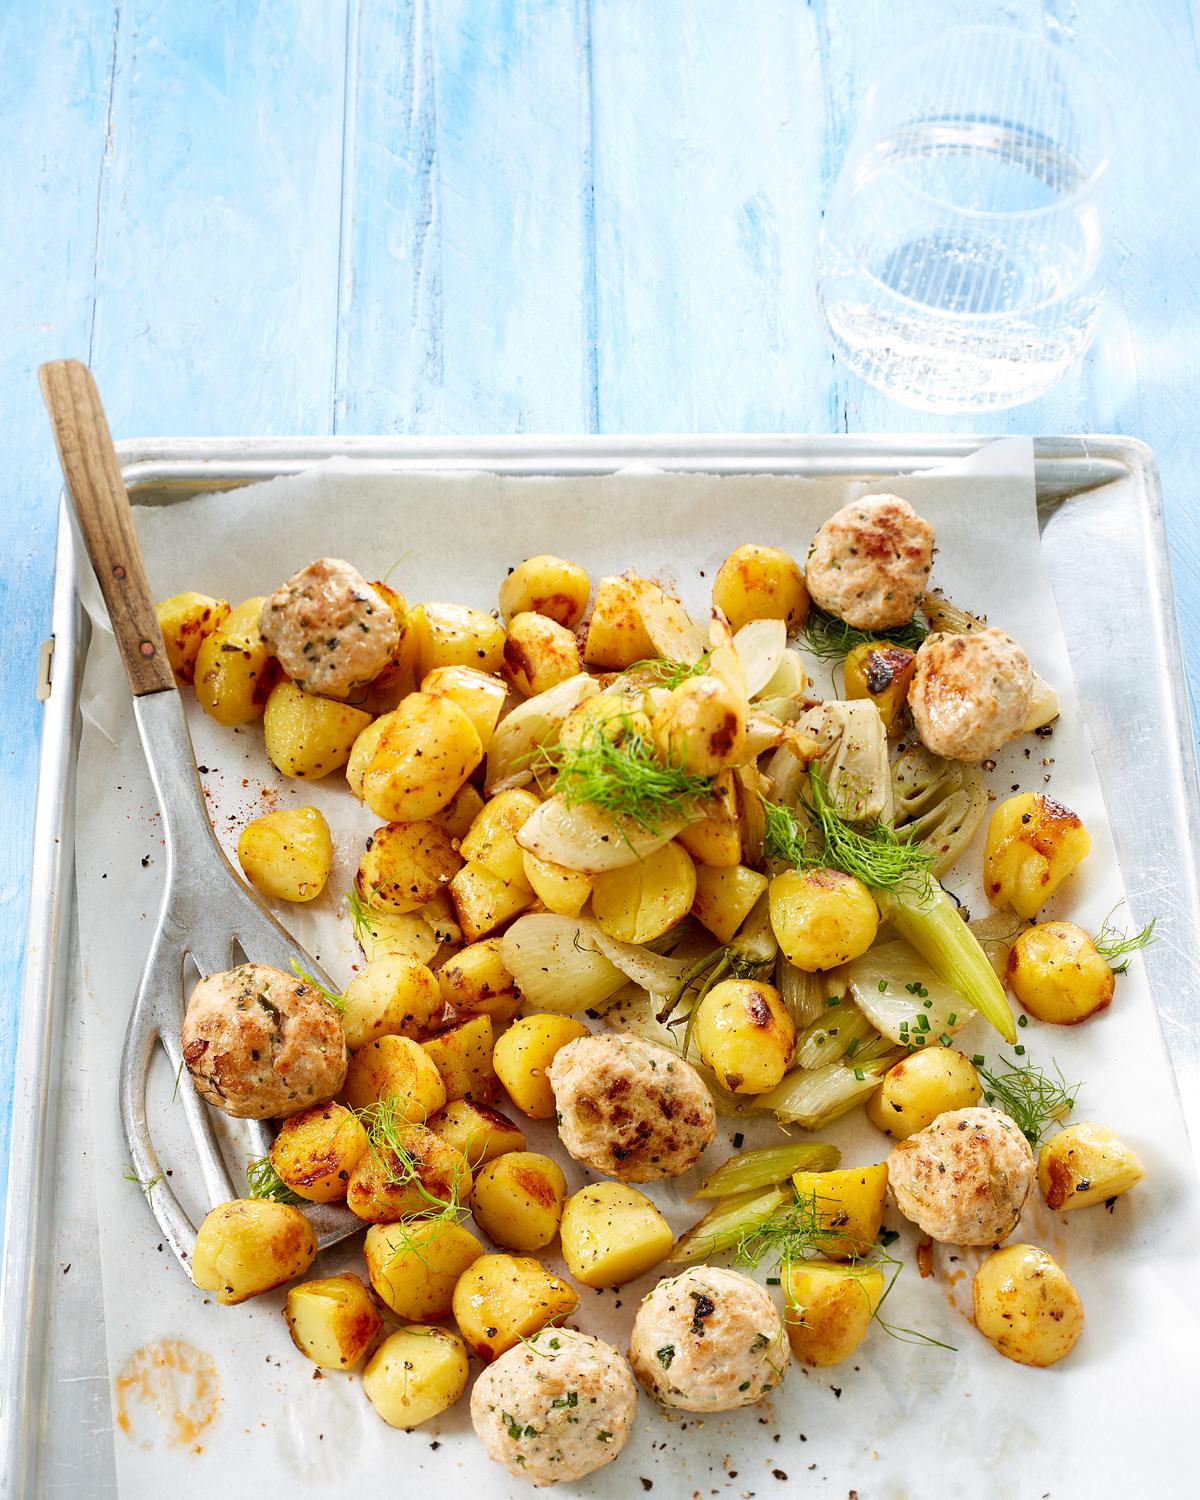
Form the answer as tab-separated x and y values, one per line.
725	897
1058	975
491	841
562	891
475	982
316	1151
829	1309
850	1201
479	1132
1084	1164
186	621
414	1266
420	1175
308	737
455	635
745	1035
611	1234
234	671
392	996
483	901
249	1246
524	1052
414	1375
549	586
920	1087
1026	1306
332	1321
761	583
406	865
538	654
822	918
640	901
398	1069
518	1200
716	839
616	637
1033	844
882	672
502	1299
463	1057
480	696
427	750
287	854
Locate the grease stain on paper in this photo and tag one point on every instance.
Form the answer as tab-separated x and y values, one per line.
169	1392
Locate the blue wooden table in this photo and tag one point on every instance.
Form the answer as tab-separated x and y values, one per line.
500	216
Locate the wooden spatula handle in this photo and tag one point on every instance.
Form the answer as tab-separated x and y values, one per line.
93	474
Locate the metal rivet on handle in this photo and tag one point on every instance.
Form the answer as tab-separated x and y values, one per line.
147	648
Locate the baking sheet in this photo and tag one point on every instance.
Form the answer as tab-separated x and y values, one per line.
994	1426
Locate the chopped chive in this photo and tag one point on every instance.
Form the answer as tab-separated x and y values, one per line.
944	1039
737	1140
860	1075
951	1018
1019	1050
1022	1020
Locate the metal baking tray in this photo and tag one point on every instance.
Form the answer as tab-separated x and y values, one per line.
1100	511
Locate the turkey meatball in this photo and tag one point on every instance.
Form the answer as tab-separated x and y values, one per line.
630	1109
261	1044
709	1340
970	693
870	562
558	1406
329	629
965	1178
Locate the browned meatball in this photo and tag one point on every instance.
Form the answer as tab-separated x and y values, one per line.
630	1109
329	629
870	562
970	693
261	1044
965	1178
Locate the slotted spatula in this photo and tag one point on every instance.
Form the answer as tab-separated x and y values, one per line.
206	908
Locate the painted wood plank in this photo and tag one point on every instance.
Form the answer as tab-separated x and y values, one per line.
219	218
465	288
55	65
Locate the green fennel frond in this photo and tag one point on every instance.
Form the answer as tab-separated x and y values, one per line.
661	671
147	1185
1112	944
333	997
831	639
265	1182
1031	1098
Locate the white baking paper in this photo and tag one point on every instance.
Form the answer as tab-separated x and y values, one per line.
899	1420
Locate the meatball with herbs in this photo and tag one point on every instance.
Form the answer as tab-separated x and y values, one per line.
558	1406
708	1340
970	693
869	563
965	1178
261	1044
630	1109
331	632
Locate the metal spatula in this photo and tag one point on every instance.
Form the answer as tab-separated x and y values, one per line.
206	909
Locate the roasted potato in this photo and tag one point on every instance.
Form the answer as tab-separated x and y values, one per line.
642	900
427	750
548	586
524	1052
415	1374
423	1174
1026	1307
761	583
1056	972
492	838
882	672
518	1200
307	737
483	901
249	1246
462	810
406	865
562	891
287	854
828	1308
919	1088
234	671
362	753
716	839
455	635
616	637
725	897
480	696
479	1132
539	654
186	621
822	918
399	677
745	1035
1084	1164
414	1266
475	982
502	1299
387	934
1033	844
701	726
611	1233
398	1069
316	1150
392	996
849	1201
463	1056
332	1321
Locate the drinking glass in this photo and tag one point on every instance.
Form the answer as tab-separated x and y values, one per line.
960	264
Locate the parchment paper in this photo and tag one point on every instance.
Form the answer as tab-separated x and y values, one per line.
898	1420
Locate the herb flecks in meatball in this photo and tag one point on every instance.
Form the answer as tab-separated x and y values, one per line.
970	693
869	563
965	1178
329	629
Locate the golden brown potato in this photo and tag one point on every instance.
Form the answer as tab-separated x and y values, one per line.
822	918
388	934
701	726
882	672
1084	1164
422	1176
1056	972
761	583
475	982
518	1200
362	753
1026	1306
462	810
611	1234
406	865
395	1068
538	654
316	1150
463	1056
234	671
616	637
414	1266
414	1375
851	1201
332	1321
502	1299
725	897
427	750
249	1246
480	696
716	839
745	1035
1033	844
287	854
186	621
639	902
392	996
524	1052
492	839
308	737
479	1132
548	586
483	901
828	1308
455	635
919	1088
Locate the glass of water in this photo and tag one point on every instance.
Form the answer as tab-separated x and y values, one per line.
960	264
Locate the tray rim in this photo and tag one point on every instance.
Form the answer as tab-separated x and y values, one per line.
1065	466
